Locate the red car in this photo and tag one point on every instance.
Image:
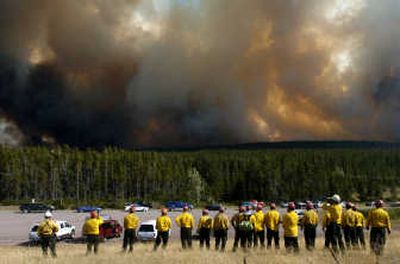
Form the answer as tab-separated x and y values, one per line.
110	229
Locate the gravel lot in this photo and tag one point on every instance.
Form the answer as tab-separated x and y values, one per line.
15	226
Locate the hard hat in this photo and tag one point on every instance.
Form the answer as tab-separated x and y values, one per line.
272	205
336	198
185	208
221	209
205	212
93	214
309	205
291	206
378	203
132	209
164	211
48	214
242	209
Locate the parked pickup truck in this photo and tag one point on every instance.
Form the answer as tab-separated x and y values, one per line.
35	208
66	230
177	205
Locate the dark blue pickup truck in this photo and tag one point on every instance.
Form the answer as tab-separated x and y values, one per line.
177	205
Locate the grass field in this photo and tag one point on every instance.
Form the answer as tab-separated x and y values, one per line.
110	253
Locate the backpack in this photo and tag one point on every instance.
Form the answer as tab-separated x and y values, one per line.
245	224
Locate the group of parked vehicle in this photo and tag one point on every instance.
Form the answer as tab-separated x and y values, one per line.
111	228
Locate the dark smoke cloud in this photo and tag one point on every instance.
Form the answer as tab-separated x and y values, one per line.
76	96
149	73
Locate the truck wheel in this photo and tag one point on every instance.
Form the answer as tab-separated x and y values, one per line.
72	235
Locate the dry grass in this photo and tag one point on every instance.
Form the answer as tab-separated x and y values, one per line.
110	253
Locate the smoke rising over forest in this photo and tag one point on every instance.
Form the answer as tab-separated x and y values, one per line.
139	73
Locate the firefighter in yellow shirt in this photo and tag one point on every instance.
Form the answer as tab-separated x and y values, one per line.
379	221
359	228
91	229
235	220
204	229
332	205
186	222
221	226
131	222
309	224
272	220
349	225
47	232
290	227
257	219
326	229
163	226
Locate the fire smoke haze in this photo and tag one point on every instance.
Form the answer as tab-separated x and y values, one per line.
140	73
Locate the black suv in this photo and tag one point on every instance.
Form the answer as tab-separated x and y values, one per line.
35	207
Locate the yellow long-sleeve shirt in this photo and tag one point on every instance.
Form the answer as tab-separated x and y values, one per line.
272	219
92	226
379	217
257	219
290	224
310	218
349	218
185	220
359	219
335	211
163	223
131	221
221	222
326	219
47	228
205	221
236	219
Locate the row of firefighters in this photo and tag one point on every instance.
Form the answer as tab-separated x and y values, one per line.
250	228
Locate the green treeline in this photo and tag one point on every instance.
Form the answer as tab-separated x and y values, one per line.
112	174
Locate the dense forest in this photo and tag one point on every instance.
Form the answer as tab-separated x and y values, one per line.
84	176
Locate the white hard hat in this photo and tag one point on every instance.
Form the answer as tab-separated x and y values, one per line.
48	214
336	198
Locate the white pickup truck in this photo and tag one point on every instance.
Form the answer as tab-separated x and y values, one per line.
66	230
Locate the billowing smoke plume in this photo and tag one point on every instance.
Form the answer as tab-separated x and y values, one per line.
181	73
